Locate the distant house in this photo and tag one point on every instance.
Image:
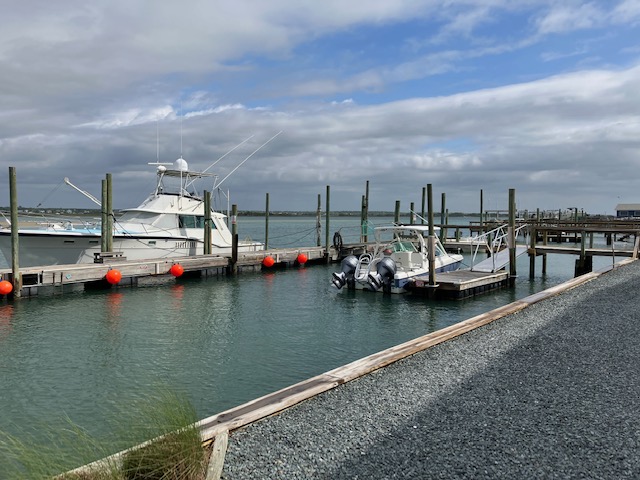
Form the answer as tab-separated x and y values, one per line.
626	210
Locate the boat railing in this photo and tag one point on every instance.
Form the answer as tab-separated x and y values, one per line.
364	263
41	220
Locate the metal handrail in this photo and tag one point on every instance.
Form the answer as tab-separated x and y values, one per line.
501	238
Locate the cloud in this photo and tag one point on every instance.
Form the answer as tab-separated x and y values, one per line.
110	86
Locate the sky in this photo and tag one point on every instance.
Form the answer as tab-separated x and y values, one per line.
542	96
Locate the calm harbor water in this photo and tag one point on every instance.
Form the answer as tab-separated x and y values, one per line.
222	341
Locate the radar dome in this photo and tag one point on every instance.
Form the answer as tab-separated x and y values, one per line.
181	165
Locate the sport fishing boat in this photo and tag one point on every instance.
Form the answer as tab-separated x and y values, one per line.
400	254
168	224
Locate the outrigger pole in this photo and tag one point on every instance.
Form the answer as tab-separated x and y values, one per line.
251	155
86	194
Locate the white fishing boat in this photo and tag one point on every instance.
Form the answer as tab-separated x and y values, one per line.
400	254
168	224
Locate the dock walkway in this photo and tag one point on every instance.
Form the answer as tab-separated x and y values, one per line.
552	391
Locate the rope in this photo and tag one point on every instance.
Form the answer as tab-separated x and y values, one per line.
49	194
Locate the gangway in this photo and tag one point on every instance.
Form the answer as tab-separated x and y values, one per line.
498	260
499	247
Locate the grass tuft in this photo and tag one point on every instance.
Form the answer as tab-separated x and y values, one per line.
174	453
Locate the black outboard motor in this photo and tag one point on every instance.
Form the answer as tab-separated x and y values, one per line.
385	271
348	268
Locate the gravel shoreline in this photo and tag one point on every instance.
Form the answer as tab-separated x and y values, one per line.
552	391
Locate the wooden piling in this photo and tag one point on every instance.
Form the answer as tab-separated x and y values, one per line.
207	223
432	239
234	239
424	195
365	236
105	219
327	209
532	253
512	236
15	245
443	202
266	222
318	222
109	232
481	211
396	215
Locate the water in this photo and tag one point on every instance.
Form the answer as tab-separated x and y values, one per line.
223	341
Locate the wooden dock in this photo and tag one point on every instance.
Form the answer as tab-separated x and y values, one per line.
590	252
56	279
460	283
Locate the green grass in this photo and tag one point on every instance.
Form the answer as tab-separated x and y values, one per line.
159	432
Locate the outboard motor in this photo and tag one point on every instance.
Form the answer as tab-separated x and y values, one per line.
385	270
347	269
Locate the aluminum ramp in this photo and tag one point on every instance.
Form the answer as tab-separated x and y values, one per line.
497	261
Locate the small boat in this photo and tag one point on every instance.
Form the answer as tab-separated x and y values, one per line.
400	254
168	224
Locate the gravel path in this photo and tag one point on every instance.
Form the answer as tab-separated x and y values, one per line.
552	391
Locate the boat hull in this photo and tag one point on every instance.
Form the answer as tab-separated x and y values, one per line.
48	248
401	279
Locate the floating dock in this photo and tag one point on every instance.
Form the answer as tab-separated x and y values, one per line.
460	283
56	279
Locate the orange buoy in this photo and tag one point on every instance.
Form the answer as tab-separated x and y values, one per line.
268	261
302	258
176	270
113	276
5	287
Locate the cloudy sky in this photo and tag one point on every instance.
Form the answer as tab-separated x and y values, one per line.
538	95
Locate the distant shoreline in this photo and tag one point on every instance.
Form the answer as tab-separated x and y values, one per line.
247	213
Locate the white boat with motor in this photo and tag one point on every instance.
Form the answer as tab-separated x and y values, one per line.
400	254
168	224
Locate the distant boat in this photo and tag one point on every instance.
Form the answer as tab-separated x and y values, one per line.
400	254
168	224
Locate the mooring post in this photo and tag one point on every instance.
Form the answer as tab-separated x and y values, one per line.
319	222
443	202
411	213
584	264
234	239
424	195
15	245
362	220
432	239
512	236
327	207
366	212
396	215
109	241
481	215
446	222
105	219
266	222
545	240
532	253
207	223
